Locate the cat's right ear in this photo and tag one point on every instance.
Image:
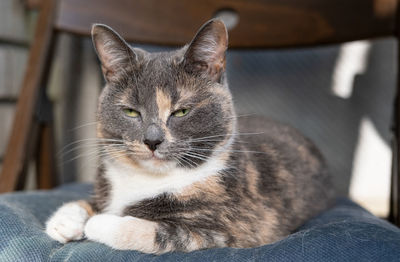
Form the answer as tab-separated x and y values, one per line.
114	53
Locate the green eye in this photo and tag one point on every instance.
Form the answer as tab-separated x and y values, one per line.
181	112
131	112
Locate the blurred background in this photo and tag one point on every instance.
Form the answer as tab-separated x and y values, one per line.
340	96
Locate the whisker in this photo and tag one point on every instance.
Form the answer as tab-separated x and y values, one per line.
102	152
238	116
90	140
178	160
197	157
87	146
188	161
227	150
231	134
83	125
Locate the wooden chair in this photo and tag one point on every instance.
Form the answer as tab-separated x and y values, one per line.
262	24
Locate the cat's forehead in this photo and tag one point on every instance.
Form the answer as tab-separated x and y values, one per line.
158	69
162	74
165	60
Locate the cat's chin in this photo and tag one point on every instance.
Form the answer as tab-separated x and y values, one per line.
157	166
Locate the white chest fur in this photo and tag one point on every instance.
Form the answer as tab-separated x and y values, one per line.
129	185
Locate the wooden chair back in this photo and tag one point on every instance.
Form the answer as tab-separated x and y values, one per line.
259	24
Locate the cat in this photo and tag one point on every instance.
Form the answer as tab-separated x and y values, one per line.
179	170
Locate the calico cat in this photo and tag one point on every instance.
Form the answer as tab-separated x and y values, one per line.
179	171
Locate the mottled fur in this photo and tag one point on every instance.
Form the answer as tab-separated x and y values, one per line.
213	181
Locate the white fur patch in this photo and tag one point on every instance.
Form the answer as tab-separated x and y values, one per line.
67	223
130	185
124	233
104	228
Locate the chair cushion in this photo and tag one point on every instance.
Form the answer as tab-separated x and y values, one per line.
345	232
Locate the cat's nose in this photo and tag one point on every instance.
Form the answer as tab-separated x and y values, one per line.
152	144
153	137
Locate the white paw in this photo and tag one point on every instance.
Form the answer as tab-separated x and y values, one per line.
123	233
105	228
67	223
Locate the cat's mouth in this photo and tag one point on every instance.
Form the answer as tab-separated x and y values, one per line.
157	156
154	157
153	161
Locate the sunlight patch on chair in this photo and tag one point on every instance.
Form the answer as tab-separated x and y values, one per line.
370	181
351	61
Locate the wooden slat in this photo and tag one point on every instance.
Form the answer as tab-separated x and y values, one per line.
45	165
6	116
33	4
16	152
268	23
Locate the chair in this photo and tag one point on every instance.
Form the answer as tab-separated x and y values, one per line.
273	24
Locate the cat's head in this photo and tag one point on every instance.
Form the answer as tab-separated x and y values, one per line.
165	110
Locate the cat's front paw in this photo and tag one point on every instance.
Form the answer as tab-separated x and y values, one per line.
123	233
106	228
68	222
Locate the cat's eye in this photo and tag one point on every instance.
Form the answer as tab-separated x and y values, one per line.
181	112
131	112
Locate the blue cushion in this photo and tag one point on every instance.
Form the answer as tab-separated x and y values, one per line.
345	232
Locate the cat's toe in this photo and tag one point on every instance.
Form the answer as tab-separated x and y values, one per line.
67	223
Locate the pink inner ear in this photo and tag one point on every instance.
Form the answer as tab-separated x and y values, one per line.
112	58
107	72
108	56
207	50
213	54
218	67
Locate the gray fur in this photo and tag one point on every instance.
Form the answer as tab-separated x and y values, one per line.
272	181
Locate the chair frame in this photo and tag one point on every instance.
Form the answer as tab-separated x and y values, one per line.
303	23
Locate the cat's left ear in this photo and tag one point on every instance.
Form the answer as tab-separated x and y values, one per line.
114	53
205	55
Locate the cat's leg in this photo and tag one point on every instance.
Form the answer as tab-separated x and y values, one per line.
130	233
68	222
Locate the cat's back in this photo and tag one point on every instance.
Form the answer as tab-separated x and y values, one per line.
291	171
258	133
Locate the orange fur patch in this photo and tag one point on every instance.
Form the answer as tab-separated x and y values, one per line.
164	105
85	205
